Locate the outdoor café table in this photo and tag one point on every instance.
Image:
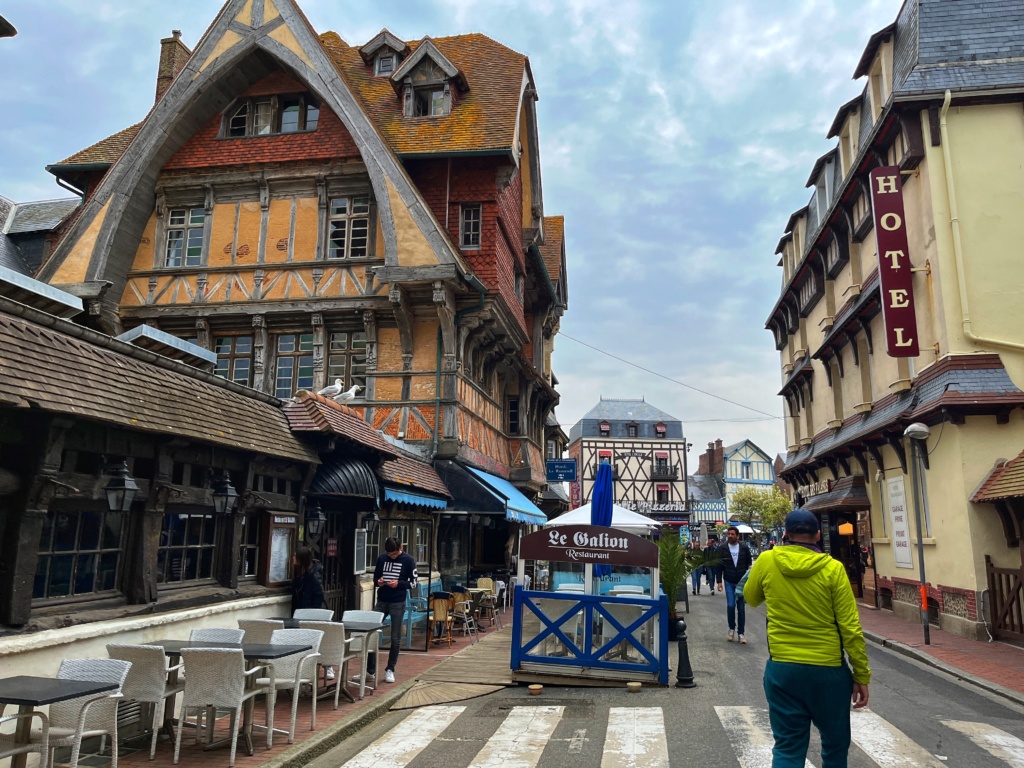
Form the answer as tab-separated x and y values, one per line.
251	652
31	692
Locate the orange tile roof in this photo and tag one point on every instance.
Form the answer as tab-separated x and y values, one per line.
105	151
1005	480
483	118
416	474
315	413
554	232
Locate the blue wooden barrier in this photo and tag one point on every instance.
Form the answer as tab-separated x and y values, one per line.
579	643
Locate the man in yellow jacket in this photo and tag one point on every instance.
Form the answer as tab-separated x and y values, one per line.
812	620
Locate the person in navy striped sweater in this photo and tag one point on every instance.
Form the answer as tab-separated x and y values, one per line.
394	575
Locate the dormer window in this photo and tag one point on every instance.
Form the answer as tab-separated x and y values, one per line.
385	64
428	102
268	115
427	82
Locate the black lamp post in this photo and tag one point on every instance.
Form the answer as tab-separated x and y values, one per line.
224	494
314	519
121	487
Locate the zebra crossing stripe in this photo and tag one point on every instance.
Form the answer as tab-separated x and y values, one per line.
520	739
399	746
636	737
750	734
995	741
886	744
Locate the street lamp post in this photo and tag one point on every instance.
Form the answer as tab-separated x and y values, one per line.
918	433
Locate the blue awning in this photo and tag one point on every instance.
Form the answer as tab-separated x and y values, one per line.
519	509
405	497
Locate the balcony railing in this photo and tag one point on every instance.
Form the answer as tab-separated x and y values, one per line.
664	472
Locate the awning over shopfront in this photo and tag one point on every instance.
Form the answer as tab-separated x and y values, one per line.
417	499
519	509
847	493
345	477
407	480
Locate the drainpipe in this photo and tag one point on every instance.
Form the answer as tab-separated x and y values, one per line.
958	253
474	282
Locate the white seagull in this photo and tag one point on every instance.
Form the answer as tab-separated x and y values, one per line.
348	394
332	390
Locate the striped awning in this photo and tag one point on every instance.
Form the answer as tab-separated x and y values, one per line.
417	499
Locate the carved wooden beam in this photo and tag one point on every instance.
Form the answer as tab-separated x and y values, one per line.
896	443
444	300
861	461
403	317
876	455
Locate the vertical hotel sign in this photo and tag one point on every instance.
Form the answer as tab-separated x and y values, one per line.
894	273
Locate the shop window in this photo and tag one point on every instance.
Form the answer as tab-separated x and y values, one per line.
346	358
421	545
294	363
234	359
373	549
349	228
186	229
249	554
79	553
188	547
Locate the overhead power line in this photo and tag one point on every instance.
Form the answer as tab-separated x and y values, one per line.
675	381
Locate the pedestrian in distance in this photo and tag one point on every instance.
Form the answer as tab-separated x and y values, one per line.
812	621
394	575
711	571
696	573
307	591
736	560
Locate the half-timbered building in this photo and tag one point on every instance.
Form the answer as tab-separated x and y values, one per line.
746	466
940	113
646	450
314	211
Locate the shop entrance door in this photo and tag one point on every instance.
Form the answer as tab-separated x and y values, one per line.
328	550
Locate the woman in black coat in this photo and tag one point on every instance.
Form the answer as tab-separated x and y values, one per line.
307	592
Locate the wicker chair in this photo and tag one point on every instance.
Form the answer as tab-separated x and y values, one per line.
442	605
259	630
9	747
216	635
217	680
364	646
293	672
335	651
87	716
313	614
147	681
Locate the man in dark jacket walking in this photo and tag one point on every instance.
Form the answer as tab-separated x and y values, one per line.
735	560
394	575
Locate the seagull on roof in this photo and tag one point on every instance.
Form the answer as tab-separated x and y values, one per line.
332	390
347	394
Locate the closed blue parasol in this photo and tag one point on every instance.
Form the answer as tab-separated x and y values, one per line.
601	507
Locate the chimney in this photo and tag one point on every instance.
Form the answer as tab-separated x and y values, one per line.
173	55
718	458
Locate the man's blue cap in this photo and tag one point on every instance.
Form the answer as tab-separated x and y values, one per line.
801	521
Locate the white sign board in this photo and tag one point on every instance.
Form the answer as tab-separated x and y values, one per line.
900	522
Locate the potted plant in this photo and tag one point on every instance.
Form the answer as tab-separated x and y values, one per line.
675	563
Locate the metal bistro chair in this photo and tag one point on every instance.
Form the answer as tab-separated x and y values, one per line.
442	606
87	716
364	645
147	681
313	614
293	672
259	630
335	651
465	612
217	679
489	602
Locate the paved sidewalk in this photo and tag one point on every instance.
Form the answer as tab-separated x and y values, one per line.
994	666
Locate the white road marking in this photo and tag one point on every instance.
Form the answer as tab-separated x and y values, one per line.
520	739
579	737
995	741
399	746
636	737
886	744
750	734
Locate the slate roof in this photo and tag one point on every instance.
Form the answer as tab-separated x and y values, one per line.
11	258
307	412
1005	480
42	216
483	118
705	488
554	233
102	379
627	410
409	472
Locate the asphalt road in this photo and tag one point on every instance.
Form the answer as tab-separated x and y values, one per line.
917	717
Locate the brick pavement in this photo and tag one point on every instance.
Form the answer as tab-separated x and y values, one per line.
995	666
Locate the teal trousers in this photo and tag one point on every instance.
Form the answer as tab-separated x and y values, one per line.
801	694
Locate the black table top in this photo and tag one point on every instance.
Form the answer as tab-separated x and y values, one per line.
249	650
27	690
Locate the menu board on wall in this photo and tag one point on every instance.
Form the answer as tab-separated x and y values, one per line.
280	536
900	524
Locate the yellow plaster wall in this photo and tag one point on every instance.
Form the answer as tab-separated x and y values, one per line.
145	253
284	36
76	263
306	229
388	388
389	351
222	235
248	239
413	248
424	346
245	15
226	43
279	226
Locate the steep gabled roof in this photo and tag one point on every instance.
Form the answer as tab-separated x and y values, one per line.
627	410
427	49
307	412
380	40
731	449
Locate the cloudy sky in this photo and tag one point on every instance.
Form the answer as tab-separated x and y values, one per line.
676	138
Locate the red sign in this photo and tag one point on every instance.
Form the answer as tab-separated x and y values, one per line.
575	495
332	548
895	277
